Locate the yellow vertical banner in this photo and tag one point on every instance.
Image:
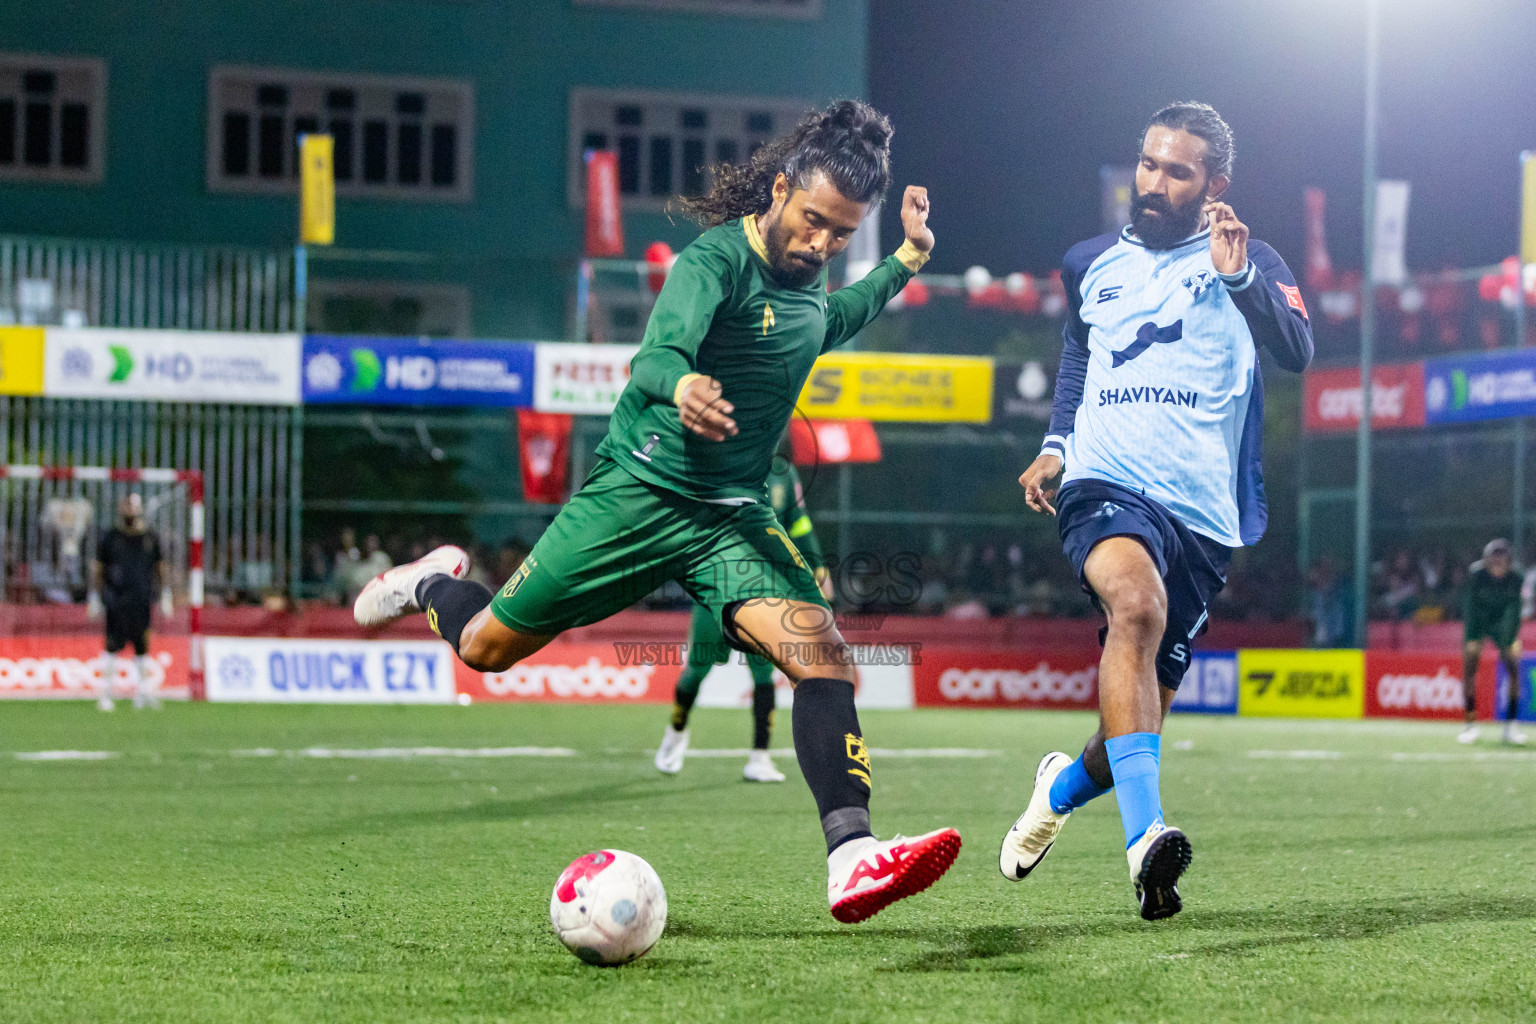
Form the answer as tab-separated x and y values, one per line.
1528	207
21	360
317	190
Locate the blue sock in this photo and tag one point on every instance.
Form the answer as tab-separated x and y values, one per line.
1133	761
1073	787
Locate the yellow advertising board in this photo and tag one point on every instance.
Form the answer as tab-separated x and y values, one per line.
21	360
1528	207
893	387
1301	684
317	190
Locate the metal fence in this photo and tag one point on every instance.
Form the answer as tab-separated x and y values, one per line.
244	452
120	284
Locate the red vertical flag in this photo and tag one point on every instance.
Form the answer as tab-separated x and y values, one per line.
544	450
1319	274
605	224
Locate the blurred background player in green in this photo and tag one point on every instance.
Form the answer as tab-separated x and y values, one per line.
1491	611
707	647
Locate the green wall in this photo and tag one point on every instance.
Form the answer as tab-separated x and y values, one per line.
512	244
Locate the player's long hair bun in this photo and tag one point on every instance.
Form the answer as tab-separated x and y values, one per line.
849	141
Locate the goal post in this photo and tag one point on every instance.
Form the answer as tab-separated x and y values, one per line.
48	511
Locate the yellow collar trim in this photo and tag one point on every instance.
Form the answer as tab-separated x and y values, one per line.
754	239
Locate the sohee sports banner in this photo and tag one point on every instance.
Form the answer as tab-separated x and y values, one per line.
893	387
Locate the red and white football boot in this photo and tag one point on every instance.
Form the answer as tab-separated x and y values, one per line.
864	876
392	593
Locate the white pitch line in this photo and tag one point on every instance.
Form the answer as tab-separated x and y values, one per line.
873	752
385	753
65	755
1470	755
1299	755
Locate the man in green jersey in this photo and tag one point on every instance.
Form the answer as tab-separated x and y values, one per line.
707	647
1491	611
678	490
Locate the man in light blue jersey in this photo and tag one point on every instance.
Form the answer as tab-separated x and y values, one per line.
1157	420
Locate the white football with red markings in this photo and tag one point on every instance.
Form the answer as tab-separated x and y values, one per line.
608	907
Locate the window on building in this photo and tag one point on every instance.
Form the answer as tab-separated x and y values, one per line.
665	142
750	8
51	113
395	138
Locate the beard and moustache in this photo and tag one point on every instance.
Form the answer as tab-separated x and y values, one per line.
798	271
1161	225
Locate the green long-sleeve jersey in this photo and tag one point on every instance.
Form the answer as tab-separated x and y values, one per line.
721	313
787	498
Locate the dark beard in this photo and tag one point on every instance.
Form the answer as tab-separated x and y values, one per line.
787	271
1170	225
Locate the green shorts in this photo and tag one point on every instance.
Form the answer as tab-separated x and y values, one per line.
1503	630
618	539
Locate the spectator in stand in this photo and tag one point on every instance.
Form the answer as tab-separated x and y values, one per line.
1329	609
1401	598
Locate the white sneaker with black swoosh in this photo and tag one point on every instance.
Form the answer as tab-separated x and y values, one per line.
1032	836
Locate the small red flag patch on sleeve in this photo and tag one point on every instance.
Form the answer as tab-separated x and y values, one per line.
1293	298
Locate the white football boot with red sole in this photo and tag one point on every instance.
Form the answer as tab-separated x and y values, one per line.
391	594
864	876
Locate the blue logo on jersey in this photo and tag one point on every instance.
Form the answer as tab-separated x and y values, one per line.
1199	283
1147	335
1112	292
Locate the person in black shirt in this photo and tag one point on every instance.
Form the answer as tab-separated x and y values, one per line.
1491	611
124	580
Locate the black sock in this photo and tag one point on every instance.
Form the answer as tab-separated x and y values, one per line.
1514	692
686	692
450	604
762	715
833	757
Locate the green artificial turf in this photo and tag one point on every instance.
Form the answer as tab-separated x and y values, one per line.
1343	871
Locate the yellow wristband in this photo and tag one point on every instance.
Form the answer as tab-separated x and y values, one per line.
911	256
683	382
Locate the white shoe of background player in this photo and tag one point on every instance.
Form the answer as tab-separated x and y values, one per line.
1512	734
1469	734
1033	835
392	594
669	757
105	704
760	768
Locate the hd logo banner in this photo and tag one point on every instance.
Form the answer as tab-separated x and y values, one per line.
902	388
171	366
402	371
1301	684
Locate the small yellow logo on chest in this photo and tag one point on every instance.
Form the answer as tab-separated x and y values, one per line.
767	318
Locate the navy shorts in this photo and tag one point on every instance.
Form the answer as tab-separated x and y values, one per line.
1194	568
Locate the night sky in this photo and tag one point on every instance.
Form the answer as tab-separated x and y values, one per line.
1007	110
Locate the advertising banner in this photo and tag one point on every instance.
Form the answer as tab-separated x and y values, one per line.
1460	389
250	669
605	226
405	371
822	442
1331	398
1283	683
21	360
1022	391
1414	685
73	667
970	678
317	189
906	388
171	366
577	378
596	673
1210	685
544	454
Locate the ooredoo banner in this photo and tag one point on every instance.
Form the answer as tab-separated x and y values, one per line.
1332	402
171	366
329	671
74	667
1284	683
968	678
1414	685
579	672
